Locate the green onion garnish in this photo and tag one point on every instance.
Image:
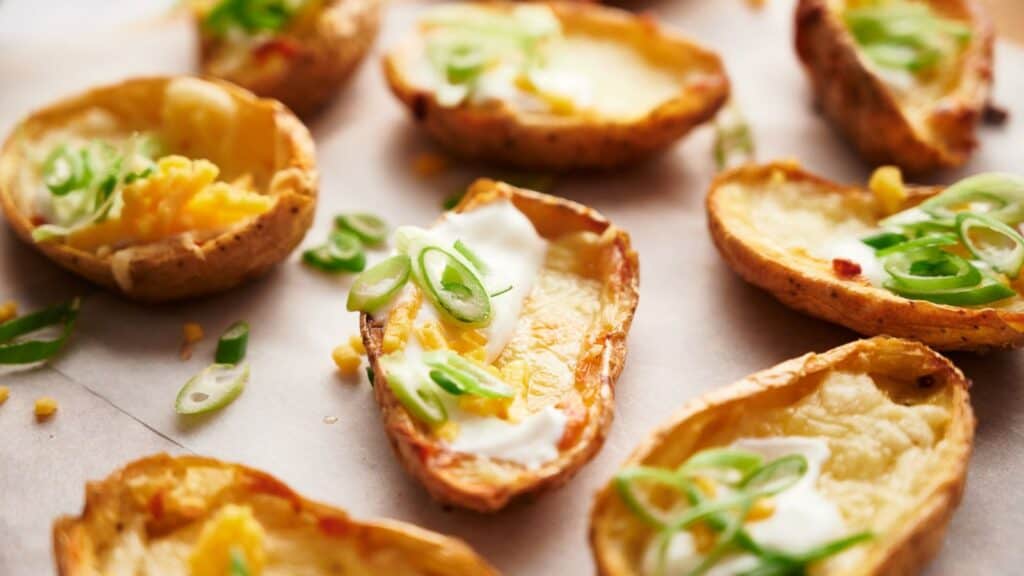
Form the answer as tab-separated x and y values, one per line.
212	389
459	375
930	269
453	287
371	229
453	200
413	389
65	170
232	344
15	351
993	242
733	138
250	16
988	290
377	286
342	253
239	565
906	35
884	240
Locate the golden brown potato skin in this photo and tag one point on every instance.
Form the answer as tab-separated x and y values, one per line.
551	142
319	61
170	270
906	550
75	545
814	288
860	104
598	366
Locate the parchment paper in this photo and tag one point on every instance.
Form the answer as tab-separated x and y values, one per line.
698	325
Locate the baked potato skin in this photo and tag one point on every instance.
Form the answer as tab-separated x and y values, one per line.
818	291
860	104
172	271
321	62
561	143
598	367
906	551
430	552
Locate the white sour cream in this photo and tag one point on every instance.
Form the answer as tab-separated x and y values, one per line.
505	239
803	517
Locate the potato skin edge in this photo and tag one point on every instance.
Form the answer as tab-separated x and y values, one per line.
416	449
916	540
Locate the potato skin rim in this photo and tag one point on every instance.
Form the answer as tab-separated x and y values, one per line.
605	350
916	541
172	271
865	309
860	105
70	542
547	142
345	32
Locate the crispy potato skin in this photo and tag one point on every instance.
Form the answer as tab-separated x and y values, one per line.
598	366
321	61
75	548
915	541
860	104
171	270
813	288
550	142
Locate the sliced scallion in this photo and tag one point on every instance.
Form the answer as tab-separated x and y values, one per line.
928	241
930	269
990	240
212	389
342	253
988	290
465	375
377	286
413	389
65	170
884	240
14	351
453	287
233	343
371	229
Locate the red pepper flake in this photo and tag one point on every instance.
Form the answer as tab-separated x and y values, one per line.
284	47
845	268
37	220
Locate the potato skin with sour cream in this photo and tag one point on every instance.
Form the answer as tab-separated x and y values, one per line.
283	166
487	484
547	141
169	498
761	255
788	399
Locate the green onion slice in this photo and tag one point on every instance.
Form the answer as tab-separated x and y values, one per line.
377	286
471	256
989	290
454	288
927	241
884	240
14	351
930	269
233	343
239	565
996	195
212	389
413	389
776	476
625	484
371	229
342	253
723	459
65	170
464	375
990	240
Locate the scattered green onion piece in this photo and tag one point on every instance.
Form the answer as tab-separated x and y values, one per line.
624	485
239	565
64	171
930	269
465	376
502	291
453	200
1007	261
342	253
371	229
250	15
733	138
471	256
212	389
375	287
989	290
232	345
414	390
30	351
457	291
884	240
464	63
929	241
996	195
776	476
741	461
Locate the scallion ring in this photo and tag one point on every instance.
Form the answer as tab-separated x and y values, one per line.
466	375
776	476
371	229
988	290
992	241
233	343
998	196
64	171
212	389
413	389
928	241
377	286
884	240
453	287
930	269
625	484
13	351
723	459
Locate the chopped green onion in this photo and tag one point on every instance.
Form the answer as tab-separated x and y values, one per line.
987	240
251	16
453	287
239	565
625	485
928	241
502	291
378	285
776	476
884	240
905	35
212	389
413	389
471	256
65	171
733	137
464	376
342	253
726	459
989	290
996	195
13	351
371	229
232	345
930	269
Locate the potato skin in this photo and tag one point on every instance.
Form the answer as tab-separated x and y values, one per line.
559	143
170	270
912	544
862	107
75	546
598	367
322	62
813	288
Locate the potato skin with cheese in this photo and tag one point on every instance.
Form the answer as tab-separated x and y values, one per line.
112	505
811	284
860	104
551	142
173	270
467	480
900	368
318	59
